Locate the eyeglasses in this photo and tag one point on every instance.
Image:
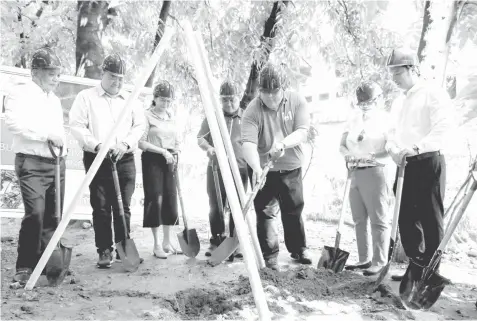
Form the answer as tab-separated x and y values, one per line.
163	99
226	99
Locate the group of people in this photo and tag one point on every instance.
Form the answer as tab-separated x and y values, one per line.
276	121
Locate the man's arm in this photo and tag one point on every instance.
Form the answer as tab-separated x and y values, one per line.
202	135
137	129
301	126
441	118
249	135
79	124
18	122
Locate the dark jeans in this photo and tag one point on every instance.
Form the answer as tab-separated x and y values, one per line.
37	183
216	219
283	192
103	199
422	211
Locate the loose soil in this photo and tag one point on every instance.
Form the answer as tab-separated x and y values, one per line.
189	289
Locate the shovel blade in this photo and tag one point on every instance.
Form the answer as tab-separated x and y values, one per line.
129	255
224	251
428	291
58	265
189	242
333	259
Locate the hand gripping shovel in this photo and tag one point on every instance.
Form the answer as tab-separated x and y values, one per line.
394	229
334	258
57	266
188	239
126	248
230	244
424	285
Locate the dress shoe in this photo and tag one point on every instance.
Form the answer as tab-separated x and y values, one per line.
358	266
373	270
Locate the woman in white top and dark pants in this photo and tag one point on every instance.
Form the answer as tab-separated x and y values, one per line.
365	138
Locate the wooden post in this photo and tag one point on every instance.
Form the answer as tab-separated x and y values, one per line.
231	155
98	160
207	97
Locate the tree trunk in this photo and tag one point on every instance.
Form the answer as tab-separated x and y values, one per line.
161	26
427	20
92	20
266	43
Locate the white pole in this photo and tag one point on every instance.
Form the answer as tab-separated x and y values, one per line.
231	154
206	94
98	160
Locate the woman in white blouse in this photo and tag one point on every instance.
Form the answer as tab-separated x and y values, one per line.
364	138
160	145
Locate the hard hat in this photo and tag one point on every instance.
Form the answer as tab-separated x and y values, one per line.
115	65
45	58
367	92
228	88
270	77
402	57
164	89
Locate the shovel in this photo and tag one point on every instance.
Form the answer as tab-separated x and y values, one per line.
58	265
218	192
394	229
424	285
334	258
188	239
230	244
126	248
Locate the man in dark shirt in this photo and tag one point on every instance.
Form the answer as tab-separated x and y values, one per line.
277	121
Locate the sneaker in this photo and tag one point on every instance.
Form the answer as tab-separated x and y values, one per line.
238	254
105	259
272	264
303	258
214	243
211	249
22	275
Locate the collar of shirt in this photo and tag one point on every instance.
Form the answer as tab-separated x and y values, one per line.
102	92
238	114
418	85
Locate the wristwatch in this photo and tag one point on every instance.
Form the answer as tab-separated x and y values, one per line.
126	144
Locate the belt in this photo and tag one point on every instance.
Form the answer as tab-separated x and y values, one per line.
365	167
283	171
423	156
40	158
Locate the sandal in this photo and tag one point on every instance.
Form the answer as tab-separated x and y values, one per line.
160	254
168	248
22	275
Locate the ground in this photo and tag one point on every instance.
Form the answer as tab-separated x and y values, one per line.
183	288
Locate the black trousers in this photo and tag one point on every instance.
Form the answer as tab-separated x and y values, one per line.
216	219
282	192
160	191
422	211
103	198
37	184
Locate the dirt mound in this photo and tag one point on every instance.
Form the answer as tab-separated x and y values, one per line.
295	287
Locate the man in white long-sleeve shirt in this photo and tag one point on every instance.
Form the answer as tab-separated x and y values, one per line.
34	115
422	122
94	113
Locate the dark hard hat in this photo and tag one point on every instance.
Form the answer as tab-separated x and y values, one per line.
228	88
164	89
45	58
367	92
402	57
270	77
115	65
